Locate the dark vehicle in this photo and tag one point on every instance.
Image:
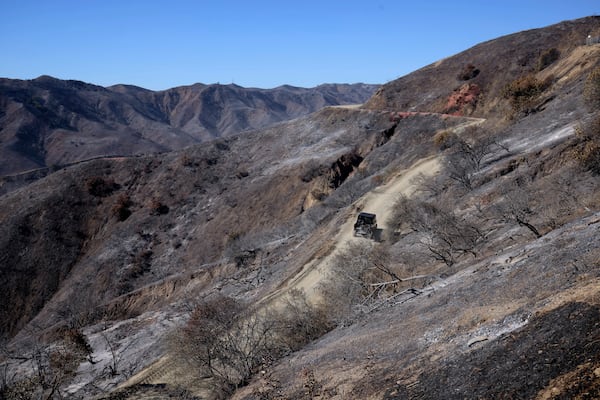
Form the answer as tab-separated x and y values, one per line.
366	225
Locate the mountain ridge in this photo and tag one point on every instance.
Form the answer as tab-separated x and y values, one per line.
489	65
48	122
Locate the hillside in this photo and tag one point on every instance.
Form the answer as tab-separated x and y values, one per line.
47	122
228	269
472	82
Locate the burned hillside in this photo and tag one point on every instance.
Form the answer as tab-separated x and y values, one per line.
230	269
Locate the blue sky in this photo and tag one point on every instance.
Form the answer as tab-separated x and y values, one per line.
162	44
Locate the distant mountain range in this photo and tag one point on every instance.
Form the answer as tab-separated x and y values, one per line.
49	122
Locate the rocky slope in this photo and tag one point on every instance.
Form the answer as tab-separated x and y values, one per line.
47	122
473	82
485	283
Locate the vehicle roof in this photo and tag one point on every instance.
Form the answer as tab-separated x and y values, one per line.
366	215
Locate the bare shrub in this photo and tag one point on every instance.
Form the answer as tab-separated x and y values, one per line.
100	187
299	322
460	169
121	207
444	139
228	341
468	72
570	197
345	287
547	58
431	186
523	91
445	234
207	344
80	311
269	387
113	368
591	89
360	280
516	205
51	366
465	160
588	152
157	207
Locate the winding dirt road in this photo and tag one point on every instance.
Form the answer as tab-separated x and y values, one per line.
379	201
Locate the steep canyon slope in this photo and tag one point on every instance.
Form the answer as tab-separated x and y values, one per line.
484	283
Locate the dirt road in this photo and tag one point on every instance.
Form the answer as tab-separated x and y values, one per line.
379	201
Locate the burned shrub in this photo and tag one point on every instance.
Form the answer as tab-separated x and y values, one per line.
444	234
221	145
300	322
100	187
547	58
523	91
516	206
242	173
229	341
121	208
591	89
468	72
444	139
141	264
588	152
465	160
51	366
157	207
188	161
590	157
78	340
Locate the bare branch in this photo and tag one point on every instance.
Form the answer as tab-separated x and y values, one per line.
410	278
